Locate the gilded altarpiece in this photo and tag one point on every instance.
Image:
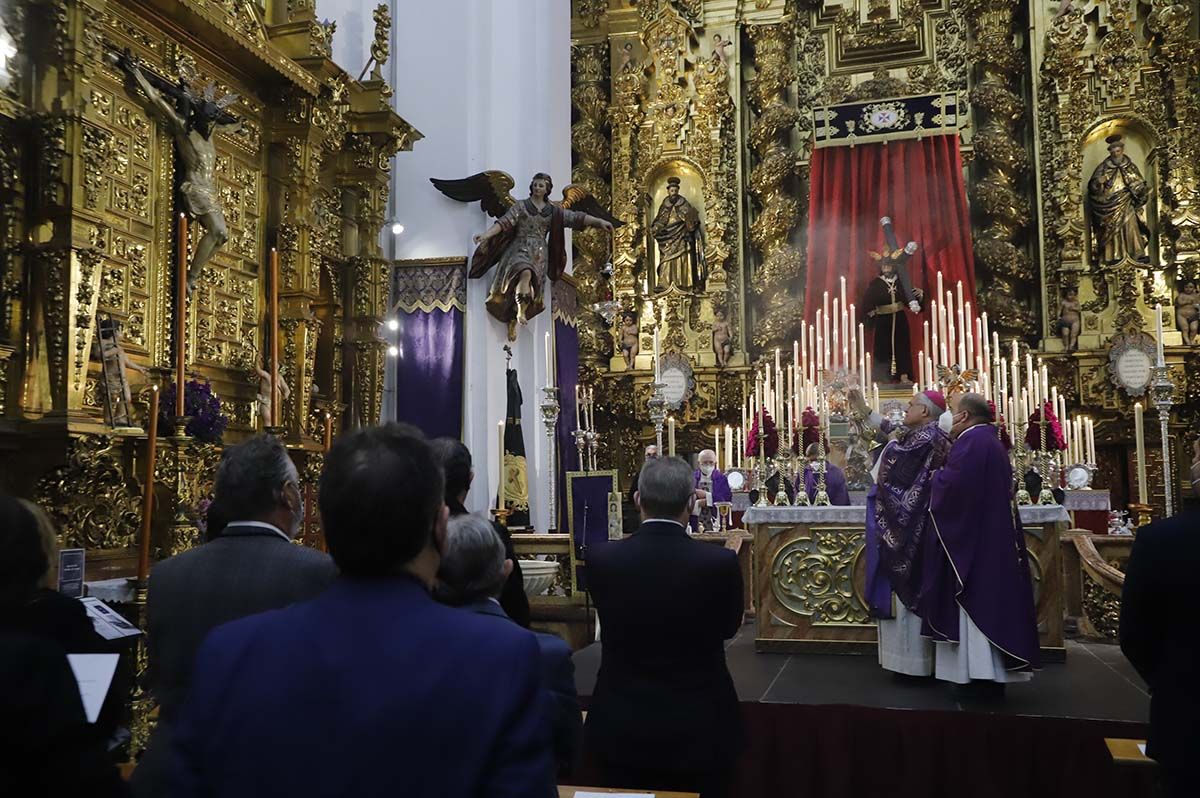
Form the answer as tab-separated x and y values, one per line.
89	203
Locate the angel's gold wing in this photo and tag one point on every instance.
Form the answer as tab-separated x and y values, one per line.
491	189
577	198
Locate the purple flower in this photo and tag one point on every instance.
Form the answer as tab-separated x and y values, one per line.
206	422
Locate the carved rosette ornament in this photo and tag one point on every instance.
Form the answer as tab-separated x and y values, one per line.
771	181
1002	166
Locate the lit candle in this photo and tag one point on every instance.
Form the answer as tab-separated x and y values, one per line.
741	448
717	445
935	337
862	357
591	409
804	349
328	430
500	465
1140	435
925	340
1028	374
835	346
143	568
875	395
843	295
853	340
1158	333
578	401
1045	384
181	316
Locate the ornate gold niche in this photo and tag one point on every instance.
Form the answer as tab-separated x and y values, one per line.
87	226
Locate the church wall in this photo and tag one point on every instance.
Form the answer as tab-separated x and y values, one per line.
489	89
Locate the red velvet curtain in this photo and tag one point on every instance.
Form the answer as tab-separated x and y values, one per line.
918	183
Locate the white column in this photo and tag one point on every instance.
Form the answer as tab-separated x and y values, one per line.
488	84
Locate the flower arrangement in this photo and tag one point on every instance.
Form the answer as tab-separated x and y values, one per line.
771	442
810	431
1054	434
201	405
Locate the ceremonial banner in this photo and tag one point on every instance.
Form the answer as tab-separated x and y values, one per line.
516	470
916	182
429	301
566	349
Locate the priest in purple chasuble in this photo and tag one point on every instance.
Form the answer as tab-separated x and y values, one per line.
897	529
835	477
714	484
977	597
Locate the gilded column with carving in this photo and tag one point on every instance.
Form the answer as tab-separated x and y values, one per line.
1001	169
593	161
772	180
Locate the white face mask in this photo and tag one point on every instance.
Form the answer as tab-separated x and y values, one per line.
706	469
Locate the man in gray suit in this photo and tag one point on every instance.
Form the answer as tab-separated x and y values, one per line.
472	574
253	566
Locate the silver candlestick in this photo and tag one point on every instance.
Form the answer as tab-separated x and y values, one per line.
592	441
550	408
658	413
1162	390
580	442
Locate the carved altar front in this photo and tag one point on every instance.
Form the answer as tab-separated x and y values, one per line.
810	577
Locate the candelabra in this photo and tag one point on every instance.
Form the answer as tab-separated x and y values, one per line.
822	497
593	441
783	461
1043	461
1021	462
580	443
760	478
549	407
1162	390
658	412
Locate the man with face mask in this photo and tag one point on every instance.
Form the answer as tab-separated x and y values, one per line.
976	597
372	688
1158	636
664	711
897	528
714	484
251	566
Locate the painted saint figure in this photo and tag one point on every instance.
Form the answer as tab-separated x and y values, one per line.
193	120
1117	193
1187	312
887	299
1068	318
680	236
527	242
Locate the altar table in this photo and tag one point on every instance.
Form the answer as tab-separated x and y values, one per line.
810	574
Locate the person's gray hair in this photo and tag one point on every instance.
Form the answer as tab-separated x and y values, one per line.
664	487
472	566
251	477
975	406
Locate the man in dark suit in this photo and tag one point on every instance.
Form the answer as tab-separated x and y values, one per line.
664	713
455	459
472	574
1160	636
251	567
372	688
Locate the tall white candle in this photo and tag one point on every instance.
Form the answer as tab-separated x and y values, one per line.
657	372
1140	436
842	318
835	346
671	436
729	461
500	465
804	349
549	363
577	403
1091	441
1158	333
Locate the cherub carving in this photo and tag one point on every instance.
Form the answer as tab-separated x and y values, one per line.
1068	318
630	338
1187	312
722	338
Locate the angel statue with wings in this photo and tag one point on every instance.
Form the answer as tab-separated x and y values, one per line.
517	242
192	116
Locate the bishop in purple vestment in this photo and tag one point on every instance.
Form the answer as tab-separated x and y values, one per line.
976	583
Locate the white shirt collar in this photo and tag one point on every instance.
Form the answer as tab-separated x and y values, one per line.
665	521
262	524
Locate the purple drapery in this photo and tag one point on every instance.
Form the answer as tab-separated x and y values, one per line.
566	349
429	298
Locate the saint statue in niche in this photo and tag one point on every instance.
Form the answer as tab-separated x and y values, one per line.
1068	318
1117	193
1187	312
517	242
193	117
680	236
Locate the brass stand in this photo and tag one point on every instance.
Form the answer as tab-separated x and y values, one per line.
1162	389
1141	512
